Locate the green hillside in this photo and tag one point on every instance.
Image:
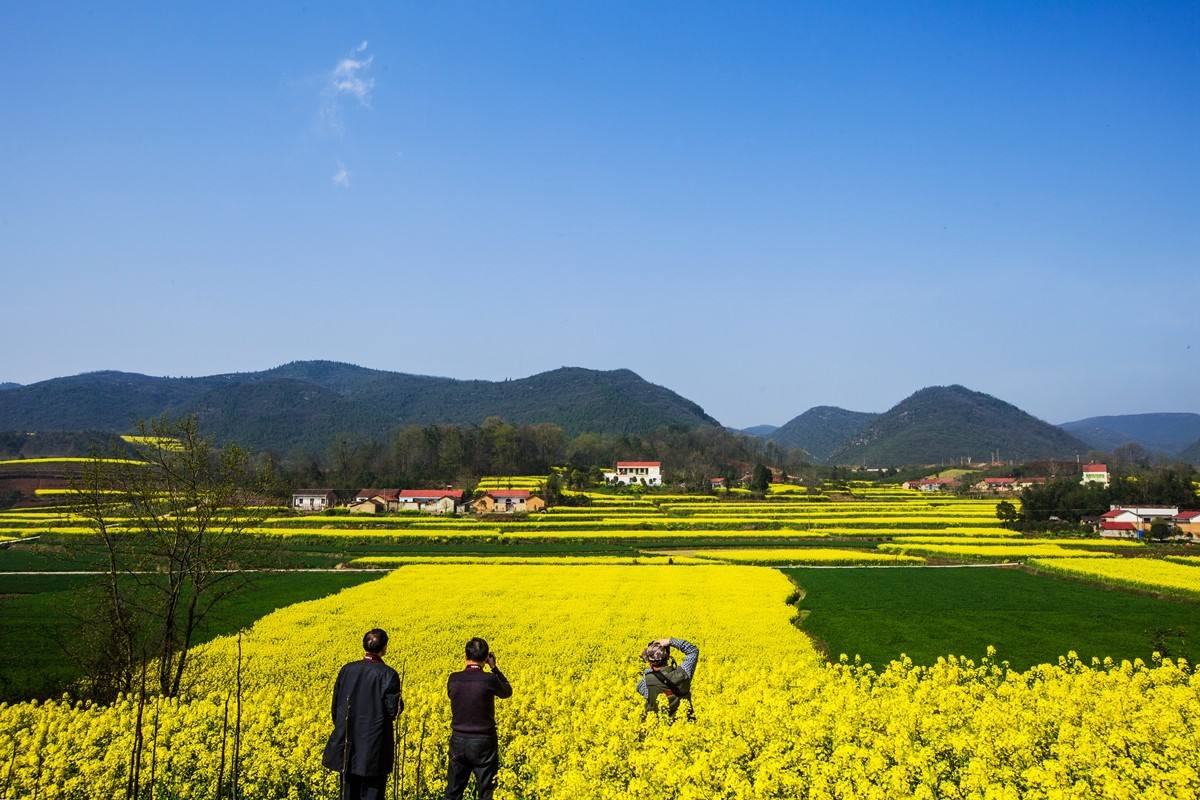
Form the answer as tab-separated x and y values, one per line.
820	431
307	402
1167	433
941	424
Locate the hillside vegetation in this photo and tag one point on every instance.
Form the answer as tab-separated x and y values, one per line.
939	424
821	430
307	402
1168	433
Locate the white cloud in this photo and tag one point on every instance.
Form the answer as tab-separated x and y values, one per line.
350	76
342	176
348	81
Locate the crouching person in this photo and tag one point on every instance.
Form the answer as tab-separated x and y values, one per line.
663	677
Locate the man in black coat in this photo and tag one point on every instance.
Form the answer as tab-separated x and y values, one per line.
366	701
474	747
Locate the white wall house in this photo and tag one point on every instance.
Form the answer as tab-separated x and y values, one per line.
1133	521
431	501
648	473
313	500
1095	473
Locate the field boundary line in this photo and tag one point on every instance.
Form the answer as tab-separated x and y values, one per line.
890	566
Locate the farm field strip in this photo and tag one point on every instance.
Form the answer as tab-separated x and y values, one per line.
1156	575
808	555
647	560
998	552
1062	541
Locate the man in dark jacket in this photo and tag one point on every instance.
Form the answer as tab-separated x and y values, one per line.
366	700
473	743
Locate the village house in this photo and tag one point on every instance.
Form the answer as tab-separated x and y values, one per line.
369	505
648	473
716	484
1095	473
507	501
1188	522
1132	522
311	500
1021	484
930	484
374	501
430	501
995	485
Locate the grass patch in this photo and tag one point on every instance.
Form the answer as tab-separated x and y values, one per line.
1031	619
37	612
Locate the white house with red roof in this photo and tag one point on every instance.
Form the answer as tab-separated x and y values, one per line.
1095	473
1131	522
648	473
431	501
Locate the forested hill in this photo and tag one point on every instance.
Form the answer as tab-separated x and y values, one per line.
821	430
940	424
1167	433
307	402
1191	455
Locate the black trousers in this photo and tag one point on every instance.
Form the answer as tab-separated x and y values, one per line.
472	755
365	787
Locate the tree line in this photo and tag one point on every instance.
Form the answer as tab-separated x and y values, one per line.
461	454
1069	500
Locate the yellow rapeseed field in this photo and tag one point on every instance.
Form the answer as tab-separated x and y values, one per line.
399	561
1000	551
1019	541
774	720
831	556
1139	573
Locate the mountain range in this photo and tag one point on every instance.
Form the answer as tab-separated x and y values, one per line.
1166	433
935	423
308	402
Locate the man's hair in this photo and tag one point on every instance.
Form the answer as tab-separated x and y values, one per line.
477	650
375	640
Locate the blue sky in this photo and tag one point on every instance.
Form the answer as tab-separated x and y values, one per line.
763	206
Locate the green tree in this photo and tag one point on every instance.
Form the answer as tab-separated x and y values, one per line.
760	479
1006	512
553	490
1159	530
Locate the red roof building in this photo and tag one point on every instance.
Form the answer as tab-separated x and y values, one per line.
657	464
515	494
408	495
1095	468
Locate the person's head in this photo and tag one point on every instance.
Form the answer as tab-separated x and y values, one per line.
656	654
477	650
375	641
